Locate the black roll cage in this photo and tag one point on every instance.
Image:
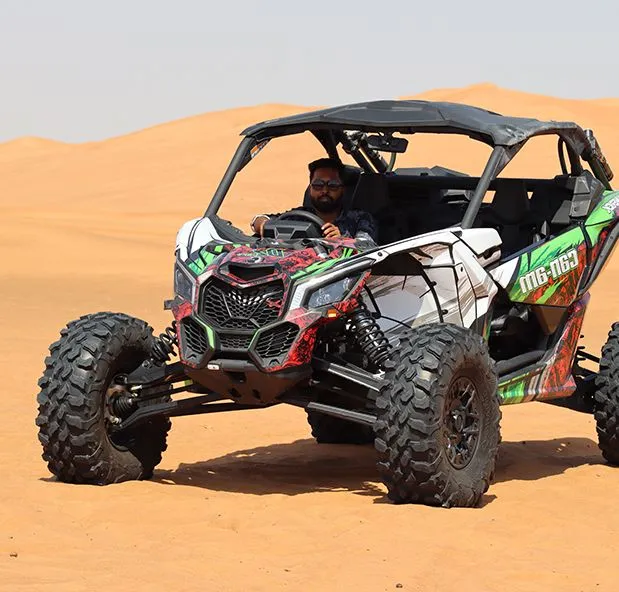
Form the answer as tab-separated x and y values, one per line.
331	135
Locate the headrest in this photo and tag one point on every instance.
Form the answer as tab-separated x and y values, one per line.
511	200
371	193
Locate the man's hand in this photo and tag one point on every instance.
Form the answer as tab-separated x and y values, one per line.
330	230
258	224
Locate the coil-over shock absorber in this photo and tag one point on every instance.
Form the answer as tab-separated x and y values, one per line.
163	347
369	335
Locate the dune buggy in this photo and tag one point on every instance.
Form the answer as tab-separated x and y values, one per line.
412	344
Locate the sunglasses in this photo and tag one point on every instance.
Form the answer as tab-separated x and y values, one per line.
330	185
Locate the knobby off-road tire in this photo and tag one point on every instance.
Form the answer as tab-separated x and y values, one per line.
607	398
327	429
440	386
74	413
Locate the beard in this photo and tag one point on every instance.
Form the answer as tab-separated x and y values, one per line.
327	205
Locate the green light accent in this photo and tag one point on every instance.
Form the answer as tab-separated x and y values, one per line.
210	334
251	343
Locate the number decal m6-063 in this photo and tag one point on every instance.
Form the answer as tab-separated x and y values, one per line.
555	268
550	274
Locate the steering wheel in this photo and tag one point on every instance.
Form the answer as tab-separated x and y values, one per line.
303	214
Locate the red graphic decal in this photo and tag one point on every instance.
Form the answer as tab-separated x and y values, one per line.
181	311
557	379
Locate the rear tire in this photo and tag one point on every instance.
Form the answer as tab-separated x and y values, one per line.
437	429
74	417
607	398
332	430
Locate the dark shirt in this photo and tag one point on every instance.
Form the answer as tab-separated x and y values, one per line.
350	222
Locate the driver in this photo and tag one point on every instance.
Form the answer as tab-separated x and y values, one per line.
326	194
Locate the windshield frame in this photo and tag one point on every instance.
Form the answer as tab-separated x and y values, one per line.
331	137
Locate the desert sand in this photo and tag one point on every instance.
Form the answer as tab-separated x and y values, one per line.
247	500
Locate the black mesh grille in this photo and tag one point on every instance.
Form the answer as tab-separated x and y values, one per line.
235	341
227	307
194	336
276	341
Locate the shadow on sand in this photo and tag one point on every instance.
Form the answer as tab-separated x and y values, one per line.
304	467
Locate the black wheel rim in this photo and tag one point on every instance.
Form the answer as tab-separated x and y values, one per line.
120	440
129	359
461	422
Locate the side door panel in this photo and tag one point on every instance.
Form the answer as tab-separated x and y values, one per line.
548	274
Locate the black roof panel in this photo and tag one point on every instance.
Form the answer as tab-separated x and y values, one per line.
409	116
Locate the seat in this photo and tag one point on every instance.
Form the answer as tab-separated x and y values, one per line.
551	205
510	214
372	195
401	211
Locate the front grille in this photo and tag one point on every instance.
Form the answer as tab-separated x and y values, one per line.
234	341
277	341
193	336
228	307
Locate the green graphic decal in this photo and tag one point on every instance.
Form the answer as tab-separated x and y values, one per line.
200	263
542	274
513	391
552	377
320	266
315	268
208	254
606	210
272	252
603	215
550	273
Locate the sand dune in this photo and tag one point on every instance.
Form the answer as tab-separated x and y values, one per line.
248	501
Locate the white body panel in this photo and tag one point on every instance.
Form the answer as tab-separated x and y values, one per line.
453	261
455	265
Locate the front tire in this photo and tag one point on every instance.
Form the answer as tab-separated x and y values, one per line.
74	408
437	429
607	398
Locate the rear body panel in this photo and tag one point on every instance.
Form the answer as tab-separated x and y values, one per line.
554	274
552	376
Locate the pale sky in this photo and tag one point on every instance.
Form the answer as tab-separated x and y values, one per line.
80	70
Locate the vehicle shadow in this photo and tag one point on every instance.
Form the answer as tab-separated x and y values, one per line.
530	460
304	467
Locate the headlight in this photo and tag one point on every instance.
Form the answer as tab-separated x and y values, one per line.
183	283
332	292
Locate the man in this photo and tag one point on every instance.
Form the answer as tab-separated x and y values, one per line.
326	194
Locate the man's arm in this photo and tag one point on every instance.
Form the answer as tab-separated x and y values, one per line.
259	221
366	227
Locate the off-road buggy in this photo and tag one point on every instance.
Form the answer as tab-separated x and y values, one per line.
412	344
